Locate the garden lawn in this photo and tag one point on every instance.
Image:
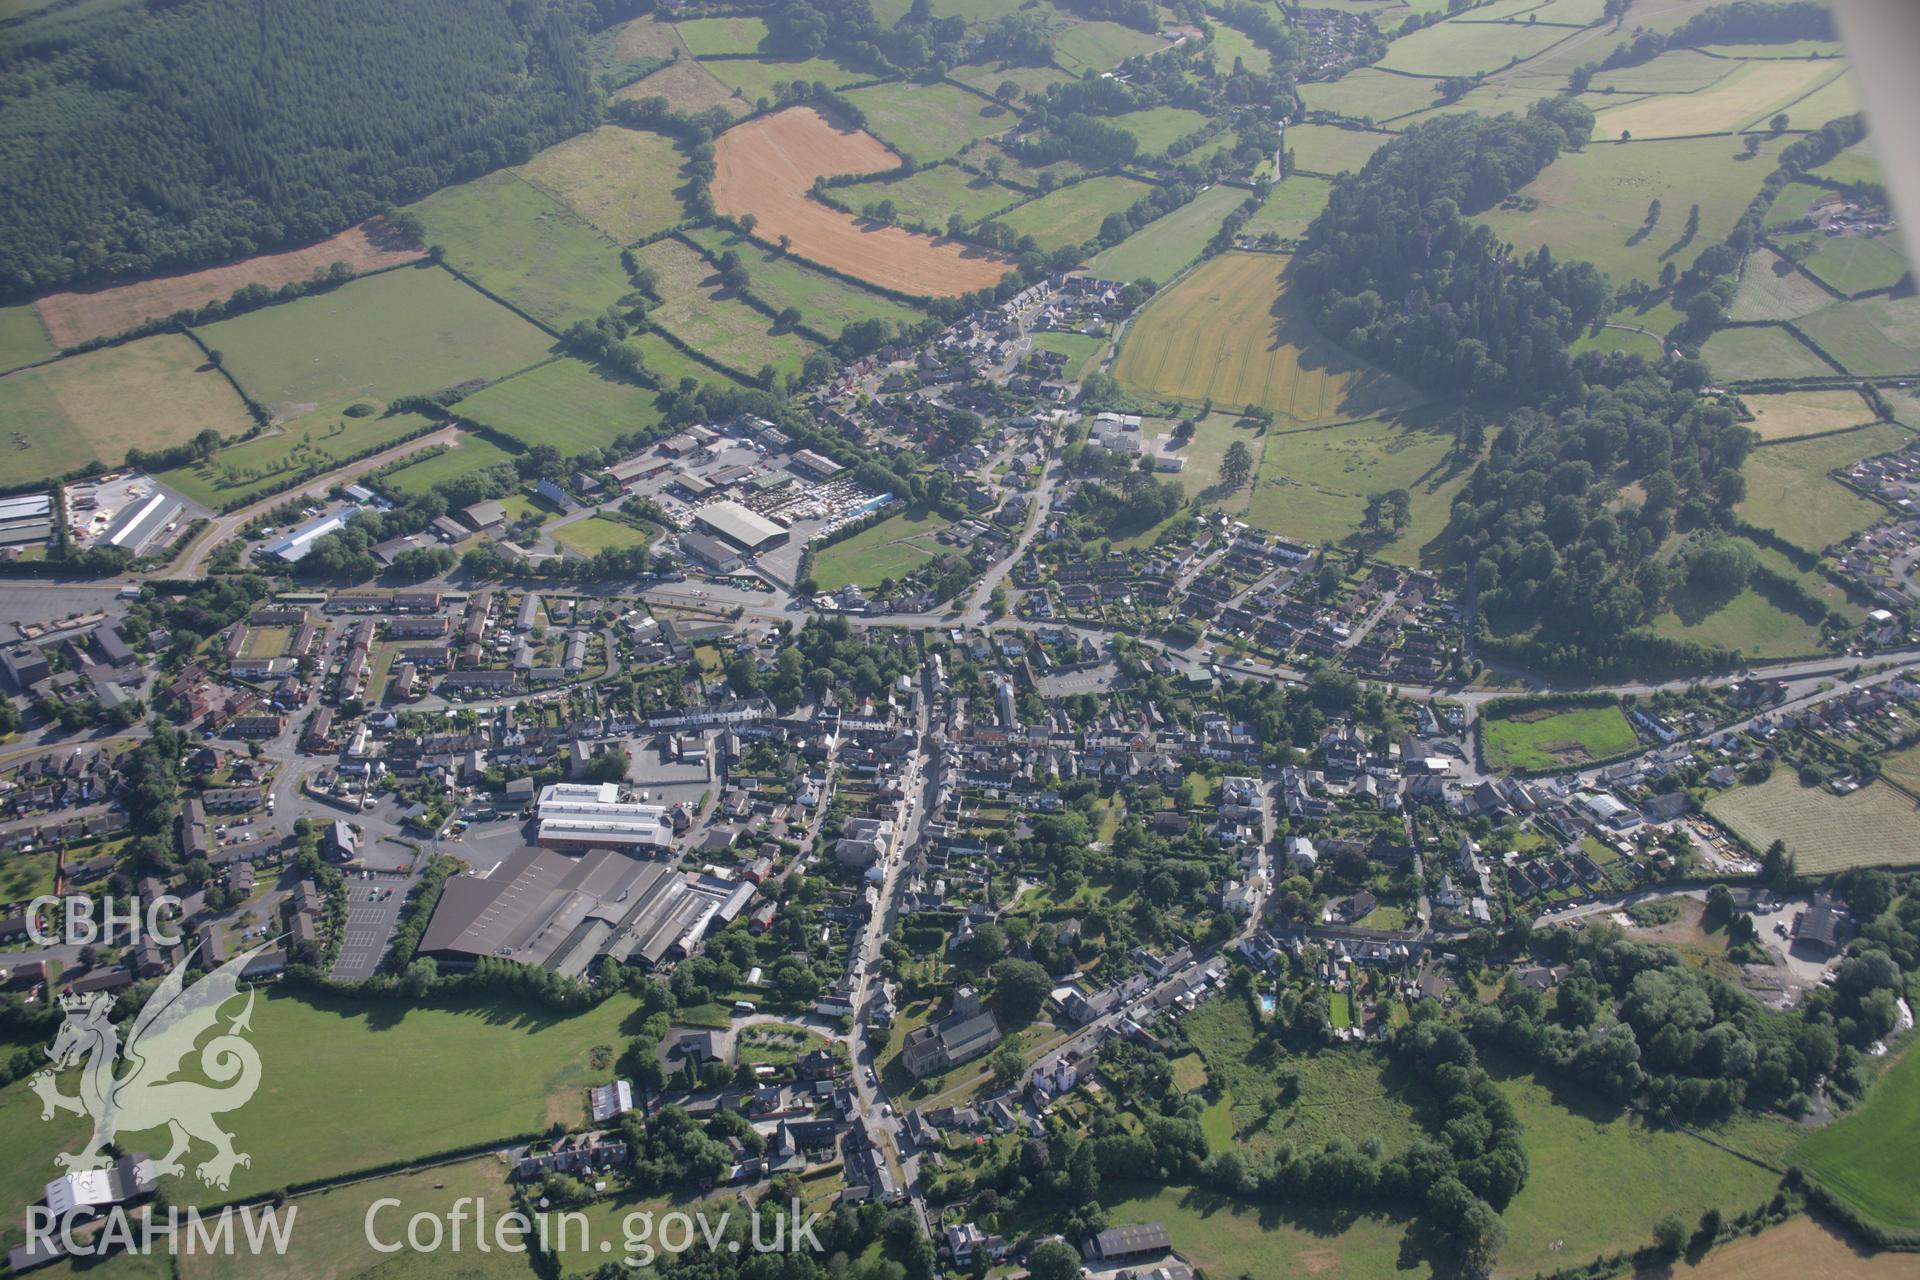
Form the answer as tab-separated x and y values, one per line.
527	247
1541	739
1164	247
824	302
413	331
1762	351
1072	215
1789	491
929	122
623	181
399	1083
151	393
1872	337
895	546
1868	1156
1599	1178
23	337
1873	827
471	454
1078	348
598	533
1592	203
565	403
931	196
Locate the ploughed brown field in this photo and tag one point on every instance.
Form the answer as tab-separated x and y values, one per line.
766	167
76	316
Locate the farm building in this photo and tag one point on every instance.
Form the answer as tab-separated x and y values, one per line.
731	522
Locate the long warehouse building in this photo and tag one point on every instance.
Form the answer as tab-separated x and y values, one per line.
734	523
575	815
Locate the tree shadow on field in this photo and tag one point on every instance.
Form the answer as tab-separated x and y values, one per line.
1694	605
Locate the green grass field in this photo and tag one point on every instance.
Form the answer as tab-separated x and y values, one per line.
1762	351
25	876
1542	739
1289	207
1789	491
1826	833
1158	128
988	77
527	247
1314	484
1228	331
1082	46
309	447
825	302
1458	48
330	1236
1591	204
1747	622
1078	348
708	36
1856	164
623	181
702	313
1857	264
597	533
564	403
1073	214
897	545
1618	338
471	454
1871	337
1326	148
670	364
1771	288
755	78
1344	1092
1675	71
1229	1237
23	338
1367	93
1868	1156
1162	248
931	196
929	122
1230	45
148	394
407	332
399	1083
1598	1178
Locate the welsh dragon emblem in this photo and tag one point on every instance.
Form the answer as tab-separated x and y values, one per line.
149	1094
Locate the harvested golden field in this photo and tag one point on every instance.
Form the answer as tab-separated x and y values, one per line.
74	317
1806	413
766	167
1754	91
1801	1249
1229	331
